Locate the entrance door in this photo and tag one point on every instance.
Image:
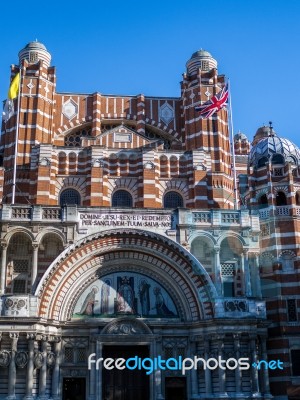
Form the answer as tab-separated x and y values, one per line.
125	384
74	389
175	389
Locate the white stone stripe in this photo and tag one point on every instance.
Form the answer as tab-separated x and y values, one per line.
221	135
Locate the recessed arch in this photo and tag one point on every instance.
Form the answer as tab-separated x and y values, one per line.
231	234
70	196
173	199
121	198
79	265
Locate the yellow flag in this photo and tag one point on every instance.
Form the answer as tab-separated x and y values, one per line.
14	87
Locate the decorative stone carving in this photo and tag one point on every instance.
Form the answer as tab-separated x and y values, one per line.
51	359
38	359
98	163
21	359
70	109
236	305
200	167
15	306
149	165
166	113
5	358
126	327
44	162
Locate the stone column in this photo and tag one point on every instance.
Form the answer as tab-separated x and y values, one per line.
99	348
12	372
254	371
30	366
222	372
247	280
92	371
194	374
237	371
158	374
43	370
218	279
265	372
56	369
208	382
34	266
3	267
257	276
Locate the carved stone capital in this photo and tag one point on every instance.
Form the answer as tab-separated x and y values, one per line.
31	336
44	338
35	245
236	336
14	335
3	244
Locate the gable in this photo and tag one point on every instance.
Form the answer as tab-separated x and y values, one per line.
126	138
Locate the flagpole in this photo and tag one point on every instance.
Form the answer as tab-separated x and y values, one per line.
16	142
232	151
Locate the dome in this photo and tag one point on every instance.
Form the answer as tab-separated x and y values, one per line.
273	148
35	45
200	59
34	52
240	136
201	53
262	132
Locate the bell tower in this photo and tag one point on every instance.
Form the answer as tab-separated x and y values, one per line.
208	138
35	114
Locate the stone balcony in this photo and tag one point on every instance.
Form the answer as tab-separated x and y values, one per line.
162	219
279	211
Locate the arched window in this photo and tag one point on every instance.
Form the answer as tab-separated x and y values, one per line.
262	162
263	201
280	199
173	200
121	198
69	197
19	256
277	159
298	198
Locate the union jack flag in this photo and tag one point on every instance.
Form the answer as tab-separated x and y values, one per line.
216	103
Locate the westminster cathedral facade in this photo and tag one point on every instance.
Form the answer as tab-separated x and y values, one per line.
123	238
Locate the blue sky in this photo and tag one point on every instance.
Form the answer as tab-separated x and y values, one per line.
136	47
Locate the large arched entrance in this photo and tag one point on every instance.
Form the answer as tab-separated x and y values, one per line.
128	293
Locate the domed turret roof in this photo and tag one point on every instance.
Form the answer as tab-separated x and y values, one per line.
272	148
35	46
200	59
201	53
35	52
240	136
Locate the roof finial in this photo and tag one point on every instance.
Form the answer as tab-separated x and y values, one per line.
271	128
